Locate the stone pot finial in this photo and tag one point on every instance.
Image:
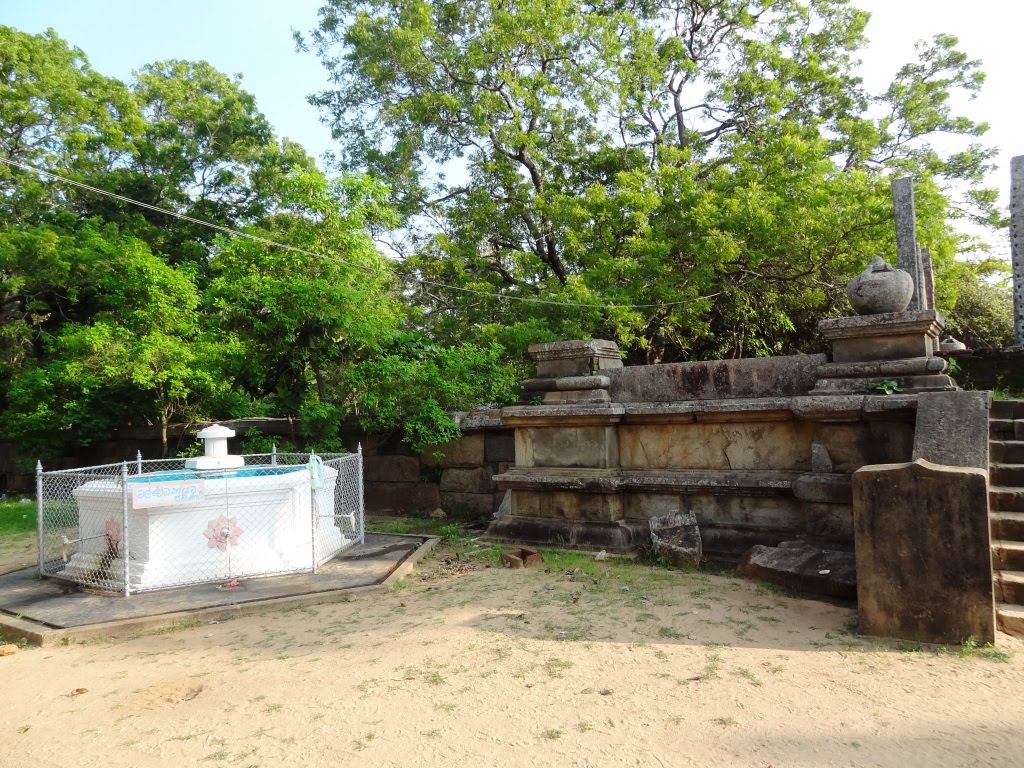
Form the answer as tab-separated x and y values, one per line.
880	289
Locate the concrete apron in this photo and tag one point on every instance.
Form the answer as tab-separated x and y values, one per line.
47	612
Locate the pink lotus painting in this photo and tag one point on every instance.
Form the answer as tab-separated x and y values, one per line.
221	532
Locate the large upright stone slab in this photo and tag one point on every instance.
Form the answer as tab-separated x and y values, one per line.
924	566
1017	244
907	252
952	428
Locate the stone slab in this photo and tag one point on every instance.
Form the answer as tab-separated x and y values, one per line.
824	488
566	383
466	451
718	379
391	469
924	564
400	497
499	446
806	566
952	428
577	396
575	357
467	480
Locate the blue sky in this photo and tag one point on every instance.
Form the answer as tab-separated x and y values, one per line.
253	37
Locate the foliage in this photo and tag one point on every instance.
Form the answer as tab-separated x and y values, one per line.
887	387
413	384
114	315
982	313
717	163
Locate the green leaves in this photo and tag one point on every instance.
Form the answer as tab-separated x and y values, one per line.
721	162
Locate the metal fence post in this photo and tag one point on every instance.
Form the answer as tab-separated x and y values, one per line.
124	528
359	486
273	454
313	511
39	514
138	462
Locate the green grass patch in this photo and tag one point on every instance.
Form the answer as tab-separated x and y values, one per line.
17	517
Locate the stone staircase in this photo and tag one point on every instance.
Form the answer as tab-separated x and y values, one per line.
1006	511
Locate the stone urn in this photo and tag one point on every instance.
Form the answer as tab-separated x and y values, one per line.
880	288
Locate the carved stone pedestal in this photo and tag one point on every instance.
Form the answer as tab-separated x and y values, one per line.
873	352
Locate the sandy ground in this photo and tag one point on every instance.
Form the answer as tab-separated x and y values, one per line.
610	664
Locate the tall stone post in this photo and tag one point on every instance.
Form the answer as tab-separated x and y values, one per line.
908	255
1017	244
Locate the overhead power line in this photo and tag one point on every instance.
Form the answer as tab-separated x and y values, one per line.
284	246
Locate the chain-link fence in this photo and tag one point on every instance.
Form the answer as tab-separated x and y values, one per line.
147	525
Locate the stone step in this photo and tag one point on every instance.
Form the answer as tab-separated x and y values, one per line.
1007	526
1010	619
1001	429
1006	498
1007	409
1009	587
1007	555
1006	474
1006	451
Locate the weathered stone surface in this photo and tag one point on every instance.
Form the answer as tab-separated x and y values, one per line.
611	537
391	469
479	504
805	566
907	253
584	414
820	459
467	451
733	445
853	445
952	428
676	537
880	289
874	384
719	379
400	497
829	521
908	367
567	447
577	396
566	382
1017	244
567	505
726	482
467	480
478	419
499	446
924	566
824	488
891	336
575	358
505	505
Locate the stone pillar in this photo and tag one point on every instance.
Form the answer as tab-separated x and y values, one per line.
1017	244
908	255
927	280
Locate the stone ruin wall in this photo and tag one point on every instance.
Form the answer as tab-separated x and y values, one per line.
741	443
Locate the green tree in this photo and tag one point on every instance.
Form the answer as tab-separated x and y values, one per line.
716	161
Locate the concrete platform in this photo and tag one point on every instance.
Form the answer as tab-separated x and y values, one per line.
47	611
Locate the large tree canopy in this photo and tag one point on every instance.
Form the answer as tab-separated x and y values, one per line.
717	162
113	313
